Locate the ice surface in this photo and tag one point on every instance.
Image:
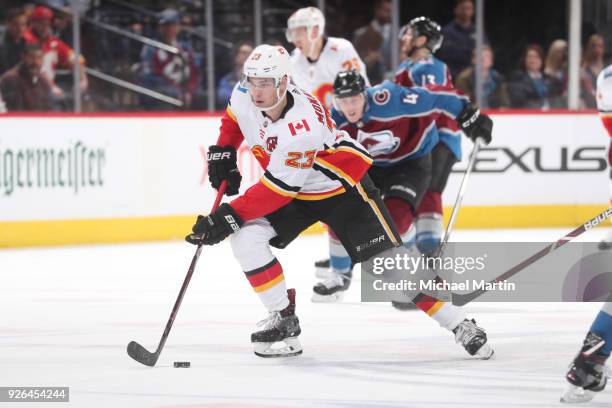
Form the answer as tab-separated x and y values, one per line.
67	314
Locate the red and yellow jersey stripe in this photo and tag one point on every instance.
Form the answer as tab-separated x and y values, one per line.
345	162
265	197
266	277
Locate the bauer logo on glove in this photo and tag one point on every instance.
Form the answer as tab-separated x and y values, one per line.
222	165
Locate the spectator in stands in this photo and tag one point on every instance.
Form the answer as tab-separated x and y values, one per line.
12	42
227	83
494	88
56	52
530	86
459	38
591	65
373	42
174	75
556	62
556	69
24	87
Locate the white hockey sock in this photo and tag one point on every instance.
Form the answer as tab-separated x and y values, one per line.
449	316
251	248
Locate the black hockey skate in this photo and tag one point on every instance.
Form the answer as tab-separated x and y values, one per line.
473	339
283	327
332	289
323	268
586	374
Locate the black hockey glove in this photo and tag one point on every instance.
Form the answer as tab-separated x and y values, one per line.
215	227
476	125
222	165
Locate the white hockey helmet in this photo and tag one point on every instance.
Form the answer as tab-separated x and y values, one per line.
308	17
268	61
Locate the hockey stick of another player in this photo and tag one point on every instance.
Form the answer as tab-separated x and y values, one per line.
138	352
462	299
459	200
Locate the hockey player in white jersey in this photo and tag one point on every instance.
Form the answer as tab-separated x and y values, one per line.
604	105
317	58
312	172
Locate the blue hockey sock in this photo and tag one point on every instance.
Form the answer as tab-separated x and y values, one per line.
339	259
602	326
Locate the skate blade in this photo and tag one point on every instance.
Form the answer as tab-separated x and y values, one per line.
486	352
333	298
322	273
290	347
576	395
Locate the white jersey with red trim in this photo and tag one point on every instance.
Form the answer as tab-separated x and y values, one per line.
604	105
317	78
303	154
604	97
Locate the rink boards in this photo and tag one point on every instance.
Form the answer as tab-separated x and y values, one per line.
101	178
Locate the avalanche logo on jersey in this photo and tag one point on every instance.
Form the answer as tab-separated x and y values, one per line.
379	143
381	96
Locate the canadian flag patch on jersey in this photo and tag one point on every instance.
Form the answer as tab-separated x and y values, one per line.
299	126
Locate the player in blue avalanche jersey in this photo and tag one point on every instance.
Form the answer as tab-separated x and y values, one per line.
421	38
397	126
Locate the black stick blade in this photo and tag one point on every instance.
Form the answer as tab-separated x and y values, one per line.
140	354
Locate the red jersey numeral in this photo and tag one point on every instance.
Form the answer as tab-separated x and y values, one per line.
295	158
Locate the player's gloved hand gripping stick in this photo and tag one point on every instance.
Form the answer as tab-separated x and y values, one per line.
138	352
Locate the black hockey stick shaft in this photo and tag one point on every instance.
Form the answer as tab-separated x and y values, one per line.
462	299
138	352
192	266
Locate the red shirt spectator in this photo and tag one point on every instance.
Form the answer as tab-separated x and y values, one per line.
56	52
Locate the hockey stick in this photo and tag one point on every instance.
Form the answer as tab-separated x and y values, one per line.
138	352
462	299
459	200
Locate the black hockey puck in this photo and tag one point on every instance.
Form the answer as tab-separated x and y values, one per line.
182	364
